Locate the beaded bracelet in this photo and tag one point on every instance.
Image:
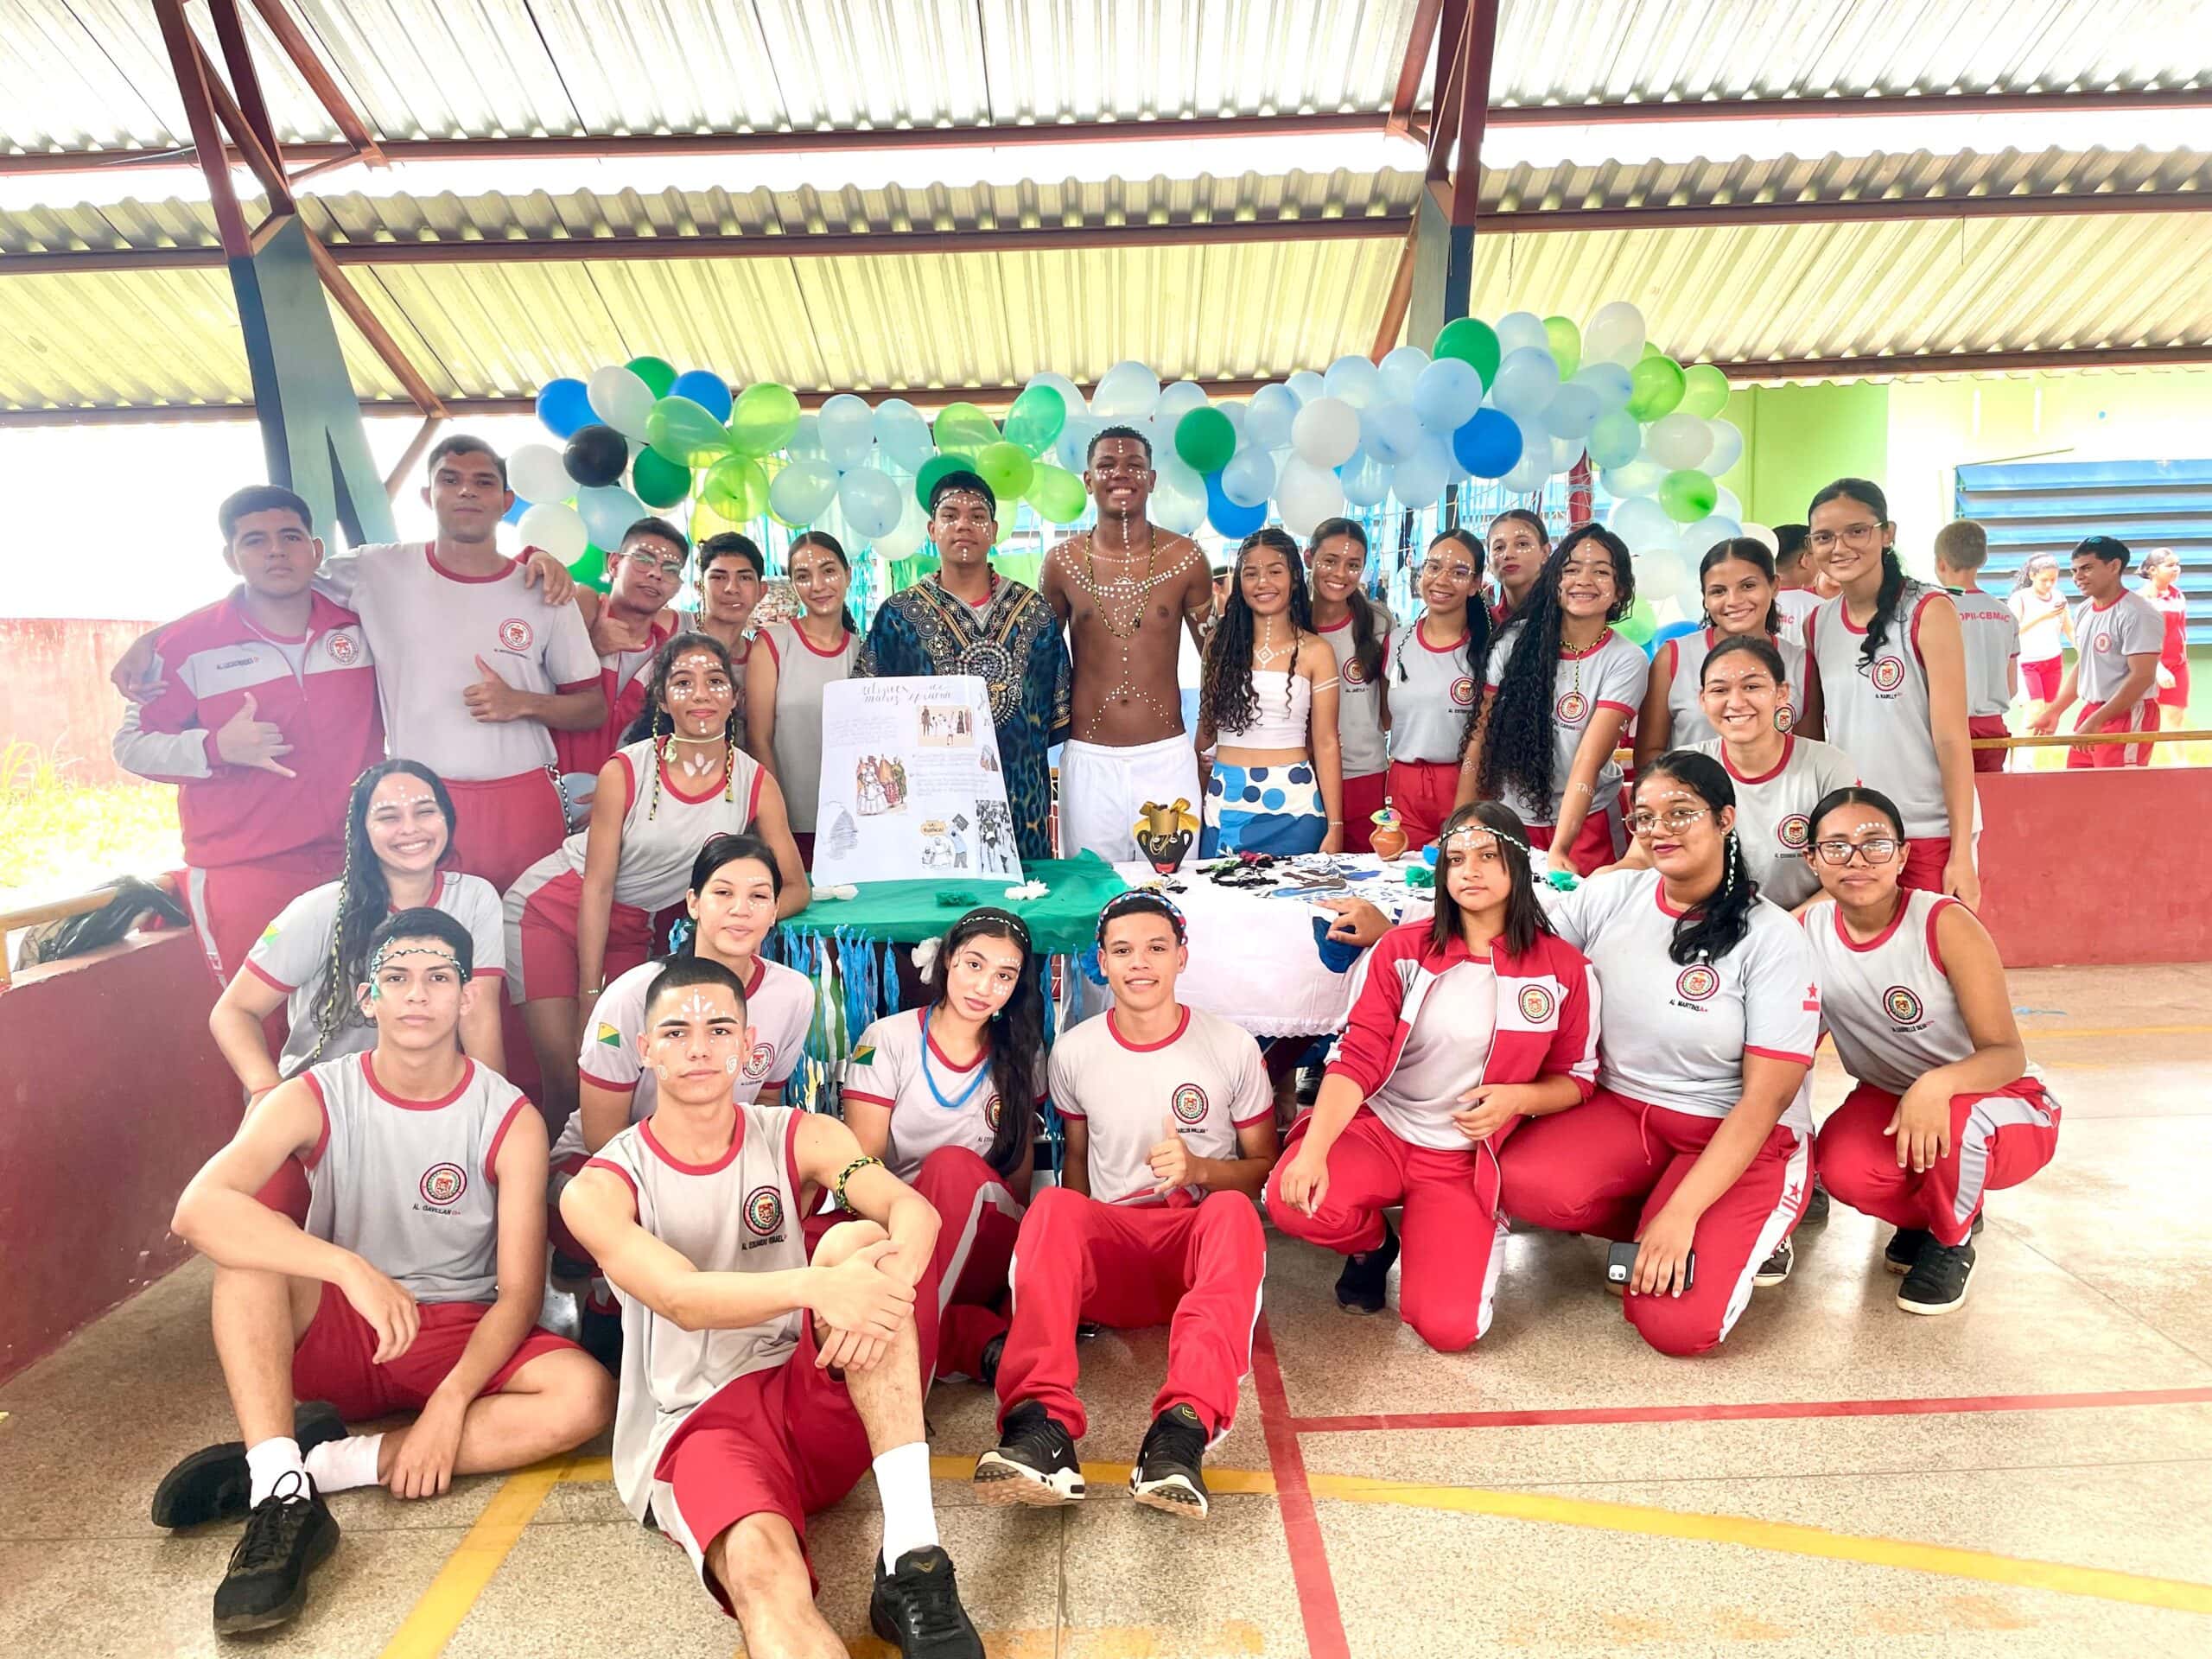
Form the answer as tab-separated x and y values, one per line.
847	1174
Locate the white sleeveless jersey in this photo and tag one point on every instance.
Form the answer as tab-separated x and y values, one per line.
1773	813
1207	1078
661	836
409	1186
1687	726
740	1214
1359	705
1888	1003
894	1065
1432	689
779	1006
801	672
1611	674
1992	640
1878	712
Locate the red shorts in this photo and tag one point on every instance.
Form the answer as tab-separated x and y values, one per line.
542	937
2176	694
1924	862
1598	843
1363	798
1423	791
1988	725
2042	679
504	825
333	1359
232	904
2143	717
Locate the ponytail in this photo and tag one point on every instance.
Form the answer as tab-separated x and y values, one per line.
1709	931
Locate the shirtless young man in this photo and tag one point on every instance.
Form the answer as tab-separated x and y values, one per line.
1119	588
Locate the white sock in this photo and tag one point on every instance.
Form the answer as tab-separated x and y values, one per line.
341	1464
902	1484
269	1462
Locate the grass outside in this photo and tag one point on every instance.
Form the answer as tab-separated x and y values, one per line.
58	838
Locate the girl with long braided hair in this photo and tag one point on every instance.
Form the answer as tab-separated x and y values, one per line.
1891	658
584	913
312	960
1275	782
1561	686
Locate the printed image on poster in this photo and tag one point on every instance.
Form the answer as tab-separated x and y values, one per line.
911	783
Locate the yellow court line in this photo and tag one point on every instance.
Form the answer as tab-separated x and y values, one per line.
474	1559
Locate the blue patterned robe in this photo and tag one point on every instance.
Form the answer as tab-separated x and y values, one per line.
1017	650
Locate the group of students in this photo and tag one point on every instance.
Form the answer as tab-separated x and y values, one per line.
385	1213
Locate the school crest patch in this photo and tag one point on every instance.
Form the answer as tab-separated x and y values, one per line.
1697	983
758	1062
1902	1004
516	634
443	1185
1887	674
764	1211
1188	1103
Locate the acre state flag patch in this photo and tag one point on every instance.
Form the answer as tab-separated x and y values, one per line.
606	1036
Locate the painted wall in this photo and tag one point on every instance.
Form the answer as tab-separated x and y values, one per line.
55	695
1798	438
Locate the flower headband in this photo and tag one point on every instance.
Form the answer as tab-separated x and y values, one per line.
1142	901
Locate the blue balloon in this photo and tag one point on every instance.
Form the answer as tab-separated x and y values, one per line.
1674	631
1226	517
513	515
1489	446
705	388
565	407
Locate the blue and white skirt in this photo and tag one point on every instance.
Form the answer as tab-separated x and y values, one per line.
1263	809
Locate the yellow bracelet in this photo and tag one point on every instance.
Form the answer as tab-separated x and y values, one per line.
847	1174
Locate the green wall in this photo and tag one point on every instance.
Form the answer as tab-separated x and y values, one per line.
1798	438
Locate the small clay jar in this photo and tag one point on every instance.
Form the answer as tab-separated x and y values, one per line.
1388	839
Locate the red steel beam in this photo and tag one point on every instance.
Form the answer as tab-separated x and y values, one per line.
320	80
245	83
1419	44
1477	51
264	164
185	62
1396	304
341	288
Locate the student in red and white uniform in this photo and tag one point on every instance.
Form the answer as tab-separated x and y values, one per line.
1891	660
1945	1108
791	663
2046	628
1738	582
732	574
1467	1023
1561	687
627	628
1796	596
2119	636
2161	570
768	1361
587	910
1358	633
1991	632
1171	1133
263	714
947	1094
1430	674
414	1286
1519	543
1699	1141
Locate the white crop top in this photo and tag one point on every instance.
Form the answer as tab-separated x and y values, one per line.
1277	723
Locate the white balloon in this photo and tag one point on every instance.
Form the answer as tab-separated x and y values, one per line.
1447	394
622	400
1727	504
1610	381
1530	475
1306	494
1661	574
847	430
903	433
1326	432
1419	480
1071	393
1763	535
1366	481
1525	383
806	438
1643	523
1178	500
1305	386
1535	446
1266	422
1180	399
1615	334
1572	411
1234	413
552	528
1616	440
905	538
1355	380
1398	371
1706	532
606	513
1522	331
803	490
1565	453
1127	391
1678	441
537	473
1727	447
869	500
1640	477
1072	448
1249	478
1390	431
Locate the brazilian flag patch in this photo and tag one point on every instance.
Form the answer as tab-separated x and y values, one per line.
862	1055
606	1036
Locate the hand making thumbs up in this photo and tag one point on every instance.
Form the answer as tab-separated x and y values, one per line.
1171	1160
492	699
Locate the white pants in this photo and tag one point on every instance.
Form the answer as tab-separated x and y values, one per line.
1103	789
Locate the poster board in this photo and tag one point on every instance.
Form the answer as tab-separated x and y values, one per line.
912	783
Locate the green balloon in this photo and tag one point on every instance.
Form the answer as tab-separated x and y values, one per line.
1687	496
1036	419
658	482
657	372
1565	343
1639	625
1007	468
763	419
1654	388
1057	493
1023	568
1652	349
934	468
1473	341
686	433
964	429
590	567
905	573
736	487
1705	391
1205	439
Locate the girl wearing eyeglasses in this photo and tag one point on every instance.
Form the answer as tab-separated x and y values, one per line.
1946	1107
1431	673
1562	685
1891	659
1698	1142
1741	602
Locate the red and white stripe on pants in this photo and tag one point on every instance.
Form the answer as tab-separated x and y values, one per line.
1194	1268
2143	717
978	1219
1998	1139
1609	1166
1448	1274
542	937
232	905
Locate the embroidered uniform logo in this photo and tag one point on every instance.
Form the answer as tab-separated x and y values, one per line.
994	1109
1784	718
1903	1005
341	649
1571	709
606	1036
1536	1004
1354	672
1696	982
1888	673
758	1062
443	1185
1462	692
516	634
1188	1104
1795	831
764	1212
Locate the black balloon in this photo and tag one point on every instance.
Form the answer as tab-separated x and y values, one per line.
596	456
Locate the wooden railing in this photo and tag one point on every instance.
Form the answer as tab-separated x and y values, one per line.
56	910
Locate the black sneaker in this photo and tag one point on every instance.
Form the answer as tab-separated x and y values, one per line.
1937	1283
1775	1268
1168	1474
213	1484
917	1608
1816	1207
987	1361
1364	1287
1034	1461
1904	1248
288	1535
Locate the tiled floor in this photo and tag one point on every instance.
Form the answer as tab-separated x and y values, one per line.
2046	1497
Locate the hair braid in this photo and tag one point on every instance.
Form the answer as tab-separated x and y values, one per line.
660	761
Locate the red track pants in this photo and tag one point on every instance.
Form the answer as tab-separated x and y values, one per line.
1448	1274
978	1217
233	905
1608	1166
1196	1268
1997	1140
